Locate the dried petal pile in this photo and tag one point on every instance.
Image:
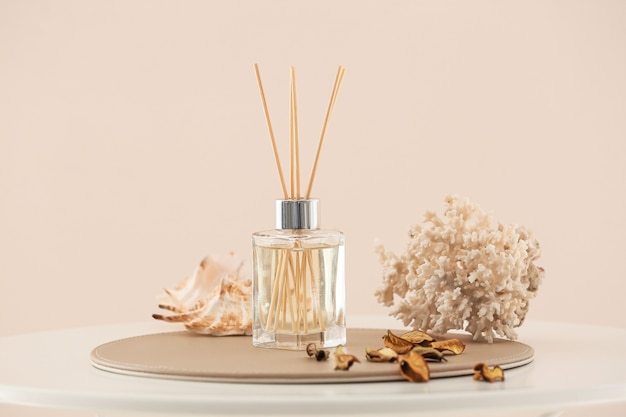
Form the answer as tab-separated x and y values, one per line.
412	350
342	359
462	271
214	300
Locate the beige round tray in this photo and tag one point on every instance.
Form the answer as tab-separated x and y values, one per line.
188	356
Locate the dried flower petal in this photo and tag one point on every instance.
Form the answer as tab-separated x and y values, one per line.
417	337
319	354
344	360
322	355
398	344
413	367
380	355
429	353
311	349
484	373
452	345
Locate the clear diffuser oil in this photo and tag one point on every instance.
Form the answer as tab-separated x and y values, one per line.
299	281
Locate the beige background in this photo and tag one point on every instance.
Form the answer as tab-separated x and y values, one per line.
133	143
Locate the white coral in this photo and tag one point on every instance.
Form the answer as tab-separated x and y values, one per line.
462	271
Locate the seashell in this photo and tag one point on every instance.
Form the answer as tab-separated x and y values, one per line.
214	300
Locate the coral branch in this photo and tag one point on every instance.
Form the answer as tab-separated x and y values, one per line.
462	271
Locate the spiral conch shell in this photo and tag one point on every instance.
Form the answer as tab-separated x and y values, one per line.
215	300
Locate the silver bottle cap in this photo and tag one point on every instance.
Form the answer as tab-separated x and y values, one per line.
297	214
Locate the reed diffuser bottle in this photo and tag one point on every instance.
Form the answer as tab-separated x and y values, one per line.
299	269
299	280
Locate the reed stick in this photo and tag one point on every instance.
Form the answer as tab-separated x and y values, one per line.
271	131
292	153
315	291
295	132
274	298
331	105
302	278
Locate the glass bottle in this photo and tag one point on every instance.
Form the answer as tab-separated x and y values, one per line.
299	281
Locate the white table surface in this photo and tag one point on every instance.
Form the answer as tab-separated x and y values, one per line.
574	365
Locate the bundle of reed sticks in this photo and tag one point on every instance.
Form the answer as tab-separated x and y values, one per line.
294	192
